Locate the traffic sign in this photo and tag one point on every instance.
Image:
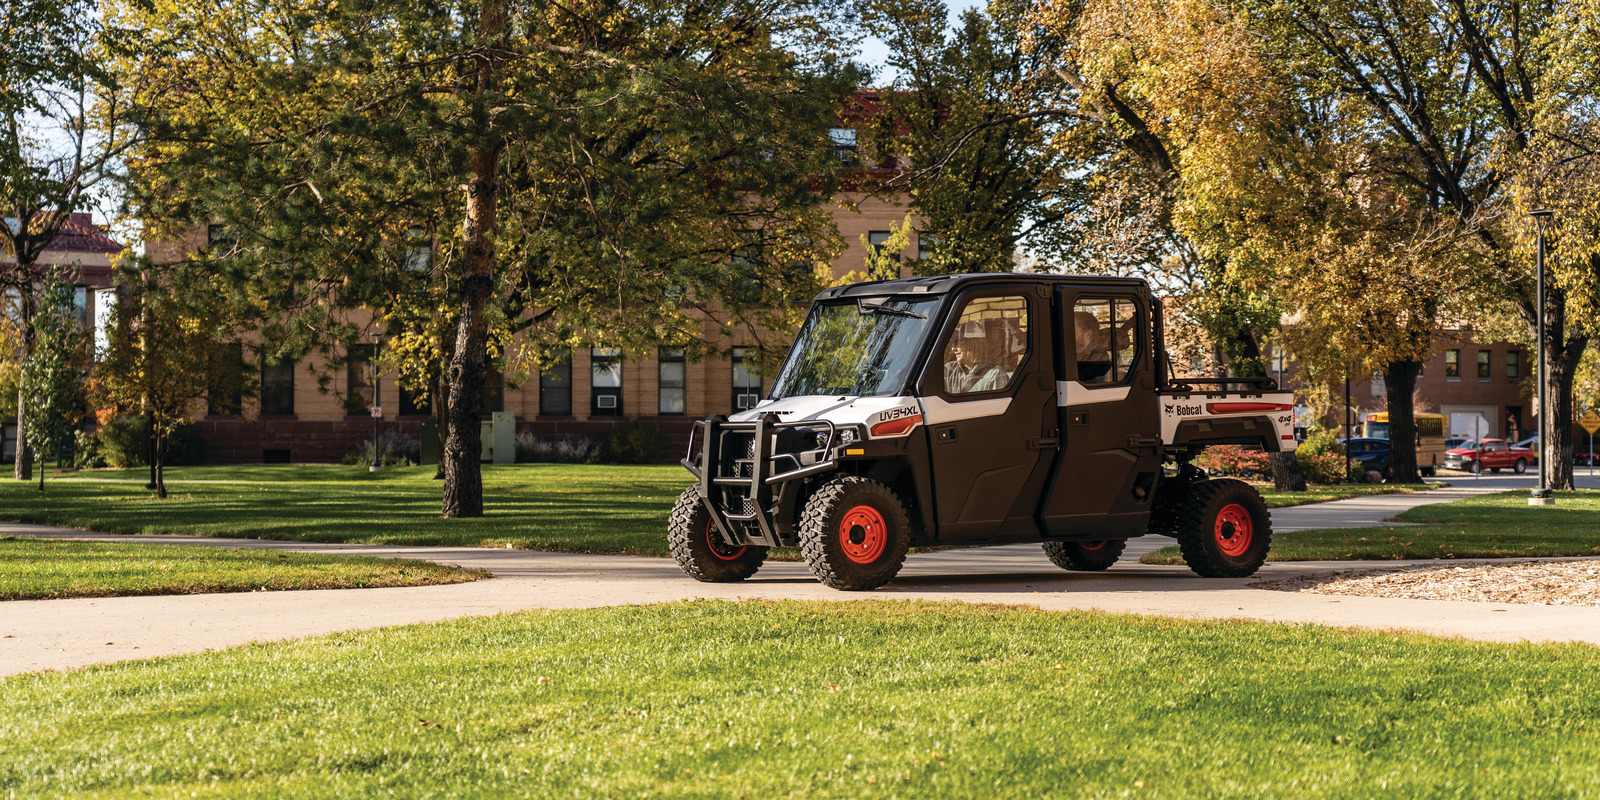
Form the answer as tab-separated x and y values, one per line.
1590	422
377	412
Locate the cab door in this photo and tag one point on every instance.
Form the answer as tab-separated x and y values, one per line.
988	397
1106	411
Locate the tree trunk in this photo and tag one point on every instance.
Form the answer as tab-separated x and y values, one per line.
23	467
1562	352
1399	381
158	462
463	477
441	418
1555	434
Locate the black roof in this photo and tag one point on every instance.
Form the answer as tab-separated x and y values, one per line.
940	284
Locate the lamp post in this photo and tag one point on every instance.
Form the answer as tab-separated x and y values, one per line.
1542	496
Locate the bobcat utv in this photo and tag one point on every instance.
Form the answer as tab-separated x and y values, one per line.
970	410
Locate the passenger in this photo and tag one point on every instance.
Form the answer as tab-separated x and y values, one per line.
972	366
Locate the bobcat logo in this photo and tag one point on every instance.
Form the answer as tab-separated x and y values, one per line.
1169	408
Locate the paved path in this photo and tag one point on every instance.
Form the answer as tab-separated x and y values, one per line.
63	634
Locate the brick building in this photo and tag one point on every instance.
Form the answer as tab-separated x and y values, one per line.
1485	388
90	254
294	419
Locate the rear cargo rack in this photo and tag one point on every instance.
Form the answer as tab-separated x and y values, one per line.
1247	386
765	488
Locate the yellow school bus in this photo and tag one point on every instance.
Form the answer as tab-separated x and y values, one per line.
1430	437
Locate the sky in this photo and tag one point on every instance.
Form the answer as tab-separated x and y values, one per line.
873	52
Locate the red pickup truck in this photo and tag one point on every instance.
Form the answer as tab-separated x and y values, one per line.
1491	454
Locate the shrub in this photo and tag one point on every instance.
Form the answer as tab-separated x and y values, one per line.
1231	459
393	448
86	450
571	450
125	442
635	441
1321	457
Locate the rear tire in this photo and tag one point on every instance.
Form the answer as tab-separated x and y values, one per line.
1522	466
854	533
1224	530
698	549
1085	556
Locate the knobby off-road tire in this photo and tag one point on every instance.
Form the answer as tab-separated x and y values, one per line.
1085	556
854	533
699	550
1224	529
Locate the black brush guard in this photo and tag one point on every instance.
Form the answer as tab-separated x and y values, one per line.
765	494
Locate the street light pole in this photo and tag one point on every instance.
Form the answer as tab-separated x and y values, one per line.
1542	496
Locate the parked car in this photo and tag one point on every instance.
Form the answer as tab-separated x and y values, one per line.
1584	457
1372	454
1452	444
1491	454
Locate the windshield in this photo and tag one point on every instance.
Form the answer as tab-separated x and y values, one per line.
861	350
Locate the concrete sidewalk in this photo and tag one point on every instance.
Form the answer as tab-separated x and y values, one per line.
63	634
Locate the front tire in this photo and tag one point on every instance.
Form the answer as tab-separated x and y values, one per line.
1224	529
698	549
854	533
1085	556
1475	467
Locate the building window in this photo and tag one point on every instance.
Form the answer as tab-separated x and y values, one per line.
220	237
605	382
879	241
926	244
80	304
1452	365
844	144
226	395
105	302
1483	365
411	404
277	388
746	379
673	383
419	250
555	387
1514	365
361	382
494	390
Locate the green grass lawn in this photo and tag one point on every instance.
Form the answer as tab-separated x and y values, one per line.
34	569
772	700
576	508
1322	494
566	507
1500	525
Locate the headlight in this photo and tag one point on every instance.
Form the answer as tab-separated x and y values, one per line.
841	436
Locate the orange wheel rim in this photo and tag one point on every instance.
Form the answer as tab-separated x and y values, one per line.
1234	530
1093	545
718	549
863	535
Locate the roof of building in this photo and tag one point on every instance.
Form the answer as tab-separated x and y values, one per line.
79	235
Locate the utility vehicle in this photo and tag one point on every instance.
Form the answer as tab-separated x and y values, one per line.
974	410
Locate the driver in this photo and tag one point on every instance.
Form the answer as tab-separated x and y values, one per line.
972	366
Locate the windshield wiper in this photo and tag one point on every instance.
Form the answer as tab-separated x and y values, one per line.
879	308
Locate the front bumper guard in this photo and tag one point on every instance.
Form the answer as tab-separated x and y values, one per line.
769	489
